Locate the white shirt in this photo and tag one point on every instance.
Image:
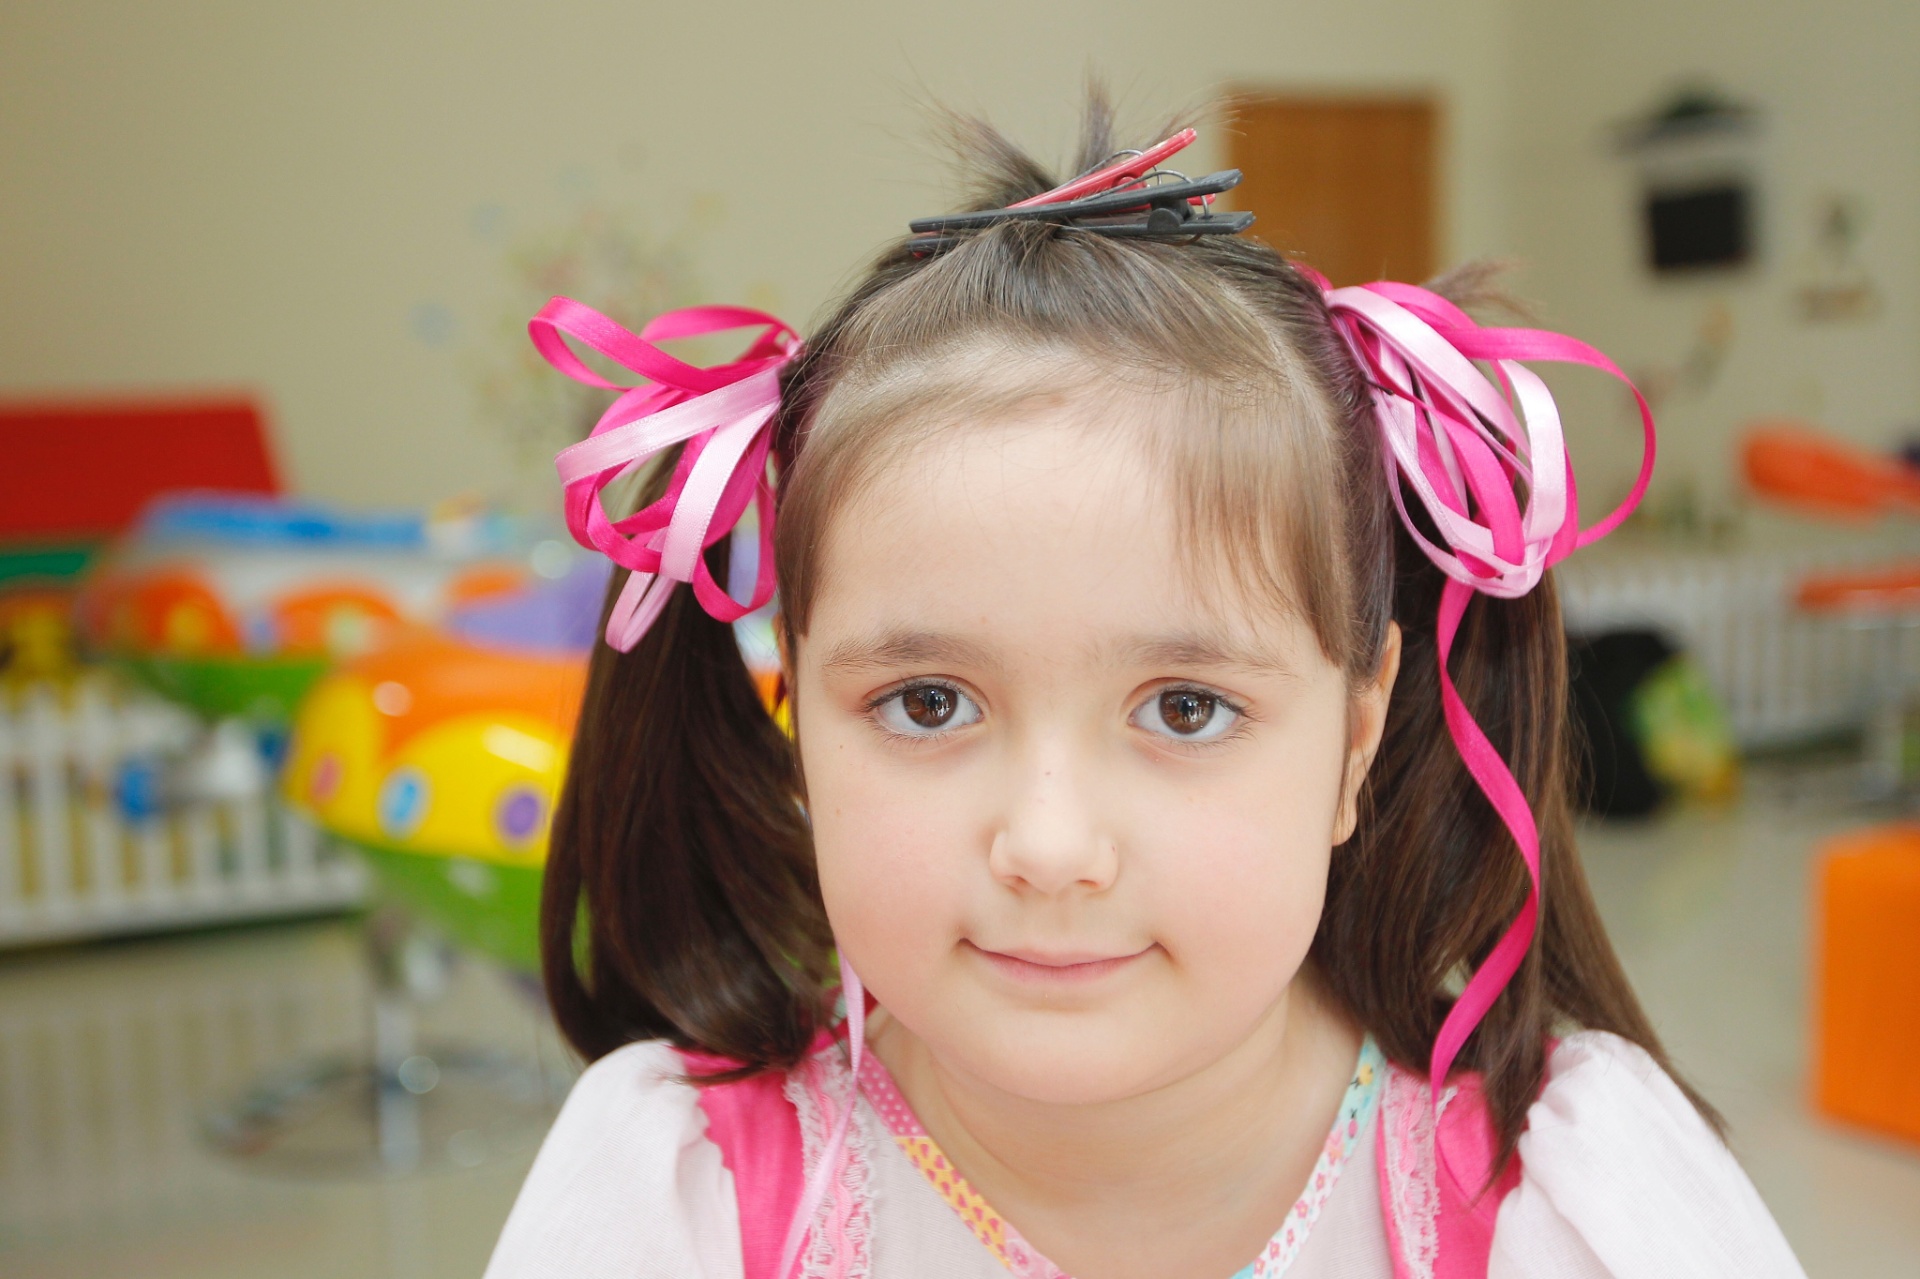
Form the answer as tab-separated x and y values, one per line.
1619	1177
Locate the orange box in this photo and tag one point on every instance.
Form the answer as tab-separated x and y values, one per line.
1867	980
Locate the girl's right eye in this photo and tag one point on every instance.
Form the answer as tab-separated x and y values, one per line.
926	710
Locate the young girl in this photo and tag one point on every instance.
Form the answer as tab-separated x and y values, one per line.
1177	771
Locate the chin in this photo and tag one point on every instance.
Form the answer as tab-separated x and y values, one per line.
1073	1060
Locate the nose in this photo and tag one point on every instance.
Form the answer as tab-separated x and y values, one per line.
1052	839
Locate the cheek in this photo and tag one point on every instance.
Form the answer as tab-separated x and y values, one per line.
893	862
1239	921
1238	872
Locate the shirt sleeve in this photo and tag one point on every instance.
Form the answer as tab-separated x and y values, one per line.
1621	1178
626	1185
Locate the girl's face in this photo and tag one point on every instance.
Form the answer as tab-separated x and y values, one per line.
1073	806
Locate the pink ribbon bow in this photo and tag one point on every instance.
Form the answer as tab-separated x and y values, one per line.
1453	438
722	414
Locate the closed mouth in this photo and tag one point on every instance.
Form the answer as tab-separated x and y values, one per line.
1055	967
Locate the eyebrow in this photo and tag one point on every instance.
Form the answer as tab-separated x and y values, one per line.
1194	650
906	648
931	648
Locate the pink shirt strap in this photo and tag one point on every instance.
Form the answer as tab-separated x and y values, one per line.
758	1132
1440	1210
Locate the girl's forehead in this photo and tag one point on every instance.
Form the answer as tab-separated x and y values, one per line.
1042	527
988	497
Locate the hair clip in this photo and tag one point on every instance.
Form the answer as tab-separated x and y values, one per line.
1169	210
1122	167
1120	198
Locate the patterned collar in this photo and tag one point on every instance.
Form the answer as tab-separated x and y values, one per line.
1019	1257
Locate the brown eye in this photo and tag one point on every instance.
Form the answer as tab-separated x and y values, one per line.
1187	712
1186	715
929	707
926	710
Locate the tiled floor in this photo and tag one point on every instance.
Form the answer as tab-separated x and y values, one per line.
107	1054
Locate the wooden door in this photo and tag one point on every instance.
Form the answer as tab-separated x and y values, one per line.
1346	184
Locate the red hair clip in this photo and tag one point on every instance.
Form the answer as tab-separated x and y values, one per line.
1136	165
1113	200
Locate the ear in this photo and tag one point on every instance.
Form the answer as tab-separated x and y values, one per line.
1367	723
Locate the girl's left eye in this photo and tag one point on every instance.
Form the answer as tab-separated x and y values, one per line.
926	710
1186	715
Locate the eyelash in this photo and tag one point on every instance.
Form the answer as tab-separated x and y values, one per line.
1242	717
889	694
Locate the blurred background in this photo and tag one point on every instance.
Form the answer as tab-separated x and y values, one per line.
291	638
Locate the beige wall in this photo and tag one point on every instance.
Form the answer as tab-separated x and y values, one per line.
1838	84
273	195
234	193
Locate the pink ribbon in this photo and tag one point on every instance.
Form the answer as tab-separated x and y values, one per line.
721	413
1453	438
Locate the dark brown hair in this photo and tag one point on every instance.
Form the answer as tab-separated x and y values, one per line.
681	897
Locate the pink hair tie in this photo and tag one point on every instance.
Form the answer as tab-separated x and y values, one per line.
1452	437
722	413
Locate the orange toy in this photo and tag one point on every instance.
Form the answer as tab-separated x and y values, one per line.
334	617
1793	463
174	611
1867	982
1892	590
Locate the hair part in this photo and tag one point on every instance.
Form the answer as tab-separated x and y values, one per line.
680	846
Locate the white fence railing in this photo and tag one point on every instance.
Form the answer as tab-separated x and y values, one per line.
75	862
1781	674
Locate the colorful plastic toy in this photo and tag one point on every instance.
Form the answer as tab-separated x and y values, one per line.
441	755
131	451
36	634
235	606
440	760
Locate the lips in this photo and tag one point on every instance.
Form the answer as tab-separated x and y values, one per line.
1056	967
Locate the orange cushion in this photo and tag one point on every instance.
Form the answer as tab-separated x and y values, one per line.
1867	984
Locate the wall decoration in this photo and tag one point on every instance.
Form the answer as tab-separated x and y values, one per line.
1834	284
1695	372
1698	181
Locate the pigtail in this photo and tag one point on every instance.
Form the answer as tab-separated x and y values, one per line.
1431	878
680	900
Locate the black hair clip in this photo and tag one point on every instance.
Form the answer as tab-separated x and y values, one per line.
1161	211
